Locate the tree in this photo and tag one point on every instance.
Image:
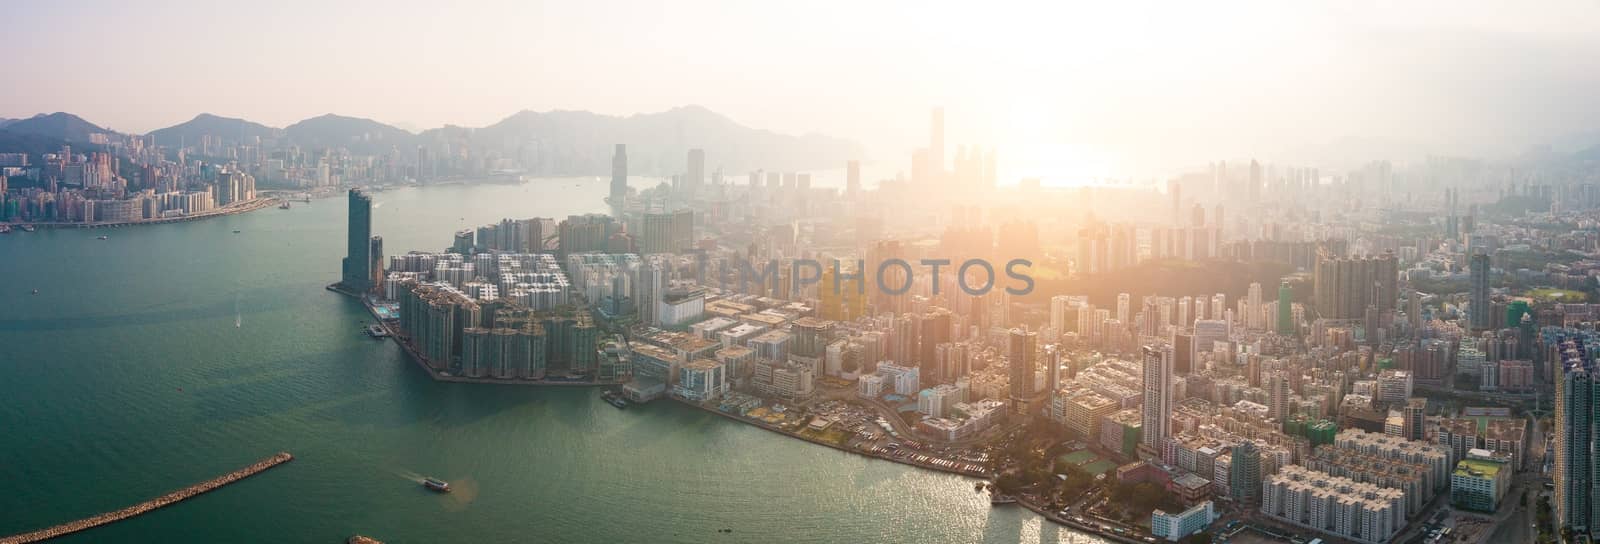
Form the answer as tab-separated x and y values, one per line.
1202	537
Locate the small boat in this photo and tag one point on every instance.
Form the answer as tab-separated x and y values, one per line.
436	485
998	499
236	232
103	237
27	228
615	399
284	205
35	291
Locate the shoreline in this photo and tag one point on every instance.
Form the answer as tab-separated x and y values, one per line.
864	453
420	361
246	207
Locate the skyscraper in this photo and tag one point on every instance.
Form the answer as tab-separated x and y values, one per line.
1252	307
1021	354
1285	309
1479	275
1278	396
357	264
1124	300
696	175
1574	470
619	177
1157	408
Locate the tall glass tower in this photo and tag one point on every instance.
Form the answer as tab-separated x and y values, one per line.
358	245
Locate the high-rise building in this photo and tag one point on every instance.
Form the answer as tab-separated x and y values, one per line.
1574	470
696	175
1252	307
1480	312
1285	309
1157	408
1345	287
358	244
1244	473
375	263
1124	300
934	329
619	178
1278	397
1021	354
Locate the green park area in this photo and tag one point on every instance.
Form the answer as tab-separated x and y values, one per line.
1551	294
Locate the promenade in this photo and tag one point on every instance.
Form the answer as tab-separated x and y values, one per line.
152	504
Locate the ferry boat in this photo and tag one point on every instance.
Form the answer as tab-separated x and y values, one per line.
376	331
615	399
436	485
284	205
27	228
998	499
5	229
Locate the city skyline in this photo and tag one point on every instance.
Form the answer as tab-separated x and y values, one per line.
1071	92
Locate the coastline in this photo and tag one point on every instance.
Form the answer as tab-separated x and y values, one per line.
246	207
421	363
865	453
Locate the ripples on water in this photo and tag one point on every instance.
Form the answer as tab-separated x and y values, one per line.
126	377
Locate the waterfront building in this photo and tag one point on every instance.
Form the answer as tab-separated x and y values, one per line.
357	264
701	380
784	379
1174	527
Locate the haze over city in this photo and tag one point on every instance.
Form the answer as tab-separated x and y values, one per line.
695	272
1066	91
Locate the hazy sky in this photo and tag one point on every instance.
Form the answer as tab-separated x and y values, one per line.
1061	88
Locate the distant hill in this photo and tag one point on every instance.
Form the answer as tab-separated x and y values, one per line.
31	144
546	143
581	143
59	125
362	136
4	122
205	124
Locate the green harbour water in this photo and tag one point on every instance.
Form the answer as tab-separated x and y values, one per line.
126	377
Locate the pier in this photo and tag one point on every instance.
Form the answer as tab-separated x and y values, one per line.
152	504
